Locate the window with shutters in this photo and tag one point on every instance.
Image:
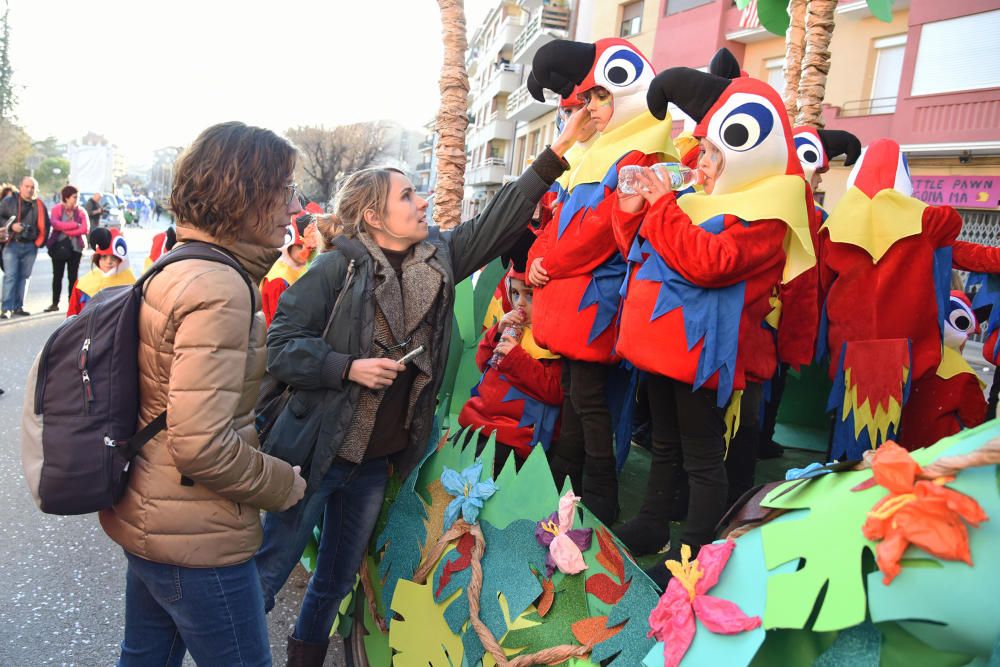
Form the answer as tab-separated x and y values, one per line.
958	54
888	71
775	74
631	19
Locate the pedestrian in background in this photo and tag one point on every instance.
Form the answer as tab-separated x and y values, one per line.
27	234
94	210
189	519
65	244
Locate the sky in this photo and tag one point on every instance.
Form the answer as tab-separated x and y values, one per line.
153	73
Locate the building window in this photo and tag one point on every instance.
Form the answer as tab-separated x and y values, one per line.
775	69
631	19
958	54
677	6
888	70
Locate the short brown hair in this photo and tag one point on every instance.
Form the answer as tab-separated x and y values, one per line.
229	177
366	189
67	192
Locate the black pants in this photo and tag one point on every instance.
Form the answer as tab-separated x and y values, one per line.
585	448
741	461
772	405
689	437
72	266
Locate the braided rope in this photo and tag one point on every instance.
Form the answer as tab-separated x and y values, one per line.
366	586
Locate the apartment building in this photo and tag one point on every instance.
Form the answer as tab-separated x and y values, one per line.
508	127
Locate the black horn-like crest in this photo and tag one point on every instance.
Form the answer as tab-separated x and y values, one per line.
840	142
693	91
559	66
724	63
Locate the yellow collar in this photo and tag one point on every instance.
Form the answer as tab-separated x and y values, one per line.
953	363
780	197
282	270
94	281
643	133
875	224
534	349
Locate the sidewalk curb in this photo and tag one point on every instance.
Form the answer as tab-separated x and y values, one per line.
30	318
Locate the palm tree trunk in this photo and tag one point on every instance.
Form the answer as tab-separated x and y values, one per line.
795	44
816	63
453	117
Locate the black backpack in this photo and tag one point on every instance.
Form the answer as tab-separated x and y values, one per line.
81	404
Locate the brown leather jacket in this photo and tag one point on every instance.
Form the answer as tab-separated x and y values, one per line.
202	360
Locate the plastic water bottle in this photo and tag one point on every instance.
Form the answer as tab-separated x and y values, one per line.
515	331
675	175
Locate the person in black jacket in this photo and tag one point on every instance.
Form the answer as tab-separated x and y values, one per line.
386	288
29	222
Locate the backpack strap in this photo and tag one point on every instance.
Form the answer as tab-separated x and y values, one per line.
190	250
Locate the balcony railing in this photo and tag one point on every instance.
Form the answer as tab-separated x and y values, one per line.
424	166
869	107
425	145
551	21
521	106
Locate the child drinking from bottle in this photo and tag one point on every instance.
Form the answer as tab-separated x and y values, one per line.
520	393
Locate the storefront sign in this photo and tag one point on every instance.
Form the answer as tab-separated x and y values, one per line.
960	191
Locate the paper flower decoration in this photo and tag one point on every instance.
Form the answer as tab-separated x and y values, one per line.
812	470
469	493
565	544
672	621
921	512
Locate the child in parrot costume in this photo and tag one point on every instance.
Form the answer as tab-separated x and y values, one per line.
110	268
520	398
704	269
162	243
952	398
289	267
575	265
886	271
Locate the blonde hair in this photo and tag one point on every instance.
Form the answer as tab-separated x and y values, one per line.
364	190
329	226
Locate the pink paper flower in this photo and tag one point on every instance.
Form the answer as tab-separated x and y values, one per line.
566	544
672	620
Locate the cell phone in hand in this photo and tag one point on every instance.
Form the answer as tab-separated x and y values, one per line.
411	355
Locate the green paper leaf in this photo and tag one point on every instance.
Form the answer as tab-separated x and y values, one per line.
486	286
630	645
528	493
899	647
773	15
881	9
568	606
376	643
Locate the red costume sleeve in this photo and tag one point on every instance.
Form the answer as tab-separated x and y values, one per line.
539	379
486	346
967	256
588	242
75	305
625	226
270	293
941	225
707	259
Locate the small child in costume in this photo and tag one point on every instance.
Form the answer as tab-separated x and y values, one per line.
290	266
952	399
520	398
162	243
110	268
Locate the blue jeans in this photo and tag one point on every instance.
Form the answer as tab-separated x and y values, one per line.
18	260
213	612
350	499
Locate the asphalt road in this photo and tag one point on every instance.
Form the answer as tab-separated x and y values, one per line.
61	579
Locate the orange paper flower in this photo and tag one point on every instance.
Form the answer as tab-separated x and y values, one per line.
921	512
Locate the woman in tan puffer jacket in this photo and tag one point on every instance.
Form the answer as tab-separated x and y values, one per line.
189	521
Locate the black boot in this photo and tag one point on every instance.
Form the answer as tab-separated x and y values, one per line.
600	489
306	654
562	468
649	532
